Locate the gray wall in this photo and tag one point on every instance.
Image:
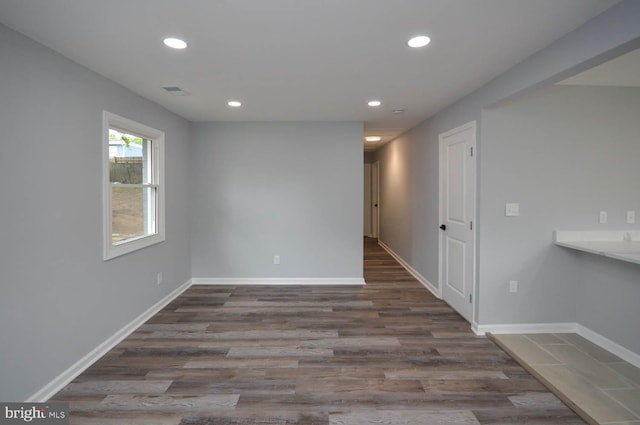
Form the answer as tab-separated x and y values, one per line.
564	153
288	189
607	299
409	164
409	199
59	299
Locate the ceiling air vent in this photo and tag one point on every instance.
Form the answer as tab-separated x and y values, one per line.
176	91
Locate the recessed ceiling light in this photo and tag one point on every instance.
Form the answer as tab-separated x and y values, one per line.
234	104
175	43
419	41
374	103
373	138
398	111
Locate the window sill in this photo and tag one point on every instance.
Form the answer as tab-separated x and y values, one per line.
118	250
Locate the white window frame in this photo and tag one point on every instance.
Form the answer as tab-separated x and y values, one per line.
113	250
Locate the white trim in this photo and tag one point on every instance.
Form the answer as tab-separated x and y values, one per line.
527	328
375	211
588	334
612	347
471	125
94	355
367	204
423	280
110	120
358	281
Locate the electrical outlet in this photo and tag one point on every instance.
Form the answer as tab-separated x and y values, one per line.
159	279
631	217
513	286
276	259
603	217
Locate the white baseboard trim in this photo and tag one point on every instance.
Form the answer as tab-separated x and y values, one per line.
588	334
527	328
62	380
423	280
612	347
343	281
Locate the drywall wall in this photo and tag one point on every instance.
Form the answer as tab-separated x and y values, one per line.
409	200
607	294
289	189
564	153
59	299
409	164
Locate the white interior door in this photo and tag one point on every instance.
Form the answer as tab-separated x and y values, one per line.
367	200
375	199
457	212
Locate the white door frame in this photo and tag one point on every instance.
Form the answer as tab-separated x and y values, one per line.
367	200
375	199
441	214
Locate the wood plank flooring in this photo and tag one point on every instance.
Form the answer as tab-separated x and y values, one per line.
388	353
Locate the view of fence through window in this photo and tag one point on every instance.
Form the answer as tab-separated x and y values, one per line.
132	200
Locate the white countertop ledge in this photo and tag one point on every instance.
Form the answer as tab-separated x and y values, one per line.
623	245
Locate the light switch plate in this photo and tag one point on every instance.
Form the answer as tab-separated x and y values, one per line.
631	217
602	218
513	286
512	210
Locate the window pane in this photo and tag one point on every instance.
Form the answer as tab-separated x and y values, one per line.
133	174
133	212
129	161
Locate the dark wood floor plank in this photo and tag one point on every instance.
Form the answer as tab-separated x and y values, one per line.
405	418
387	353
170	403
124	418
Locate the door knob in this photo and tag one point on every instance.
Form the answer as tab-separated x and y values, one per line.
443	226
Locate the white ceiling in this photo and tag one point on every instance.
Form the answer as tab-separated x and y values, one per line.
623	71
301	60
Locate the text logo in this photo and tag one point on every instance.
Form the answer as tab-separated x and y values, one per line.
34	413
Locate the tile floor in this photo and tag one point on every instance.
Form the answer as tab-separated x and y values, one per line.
600	386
